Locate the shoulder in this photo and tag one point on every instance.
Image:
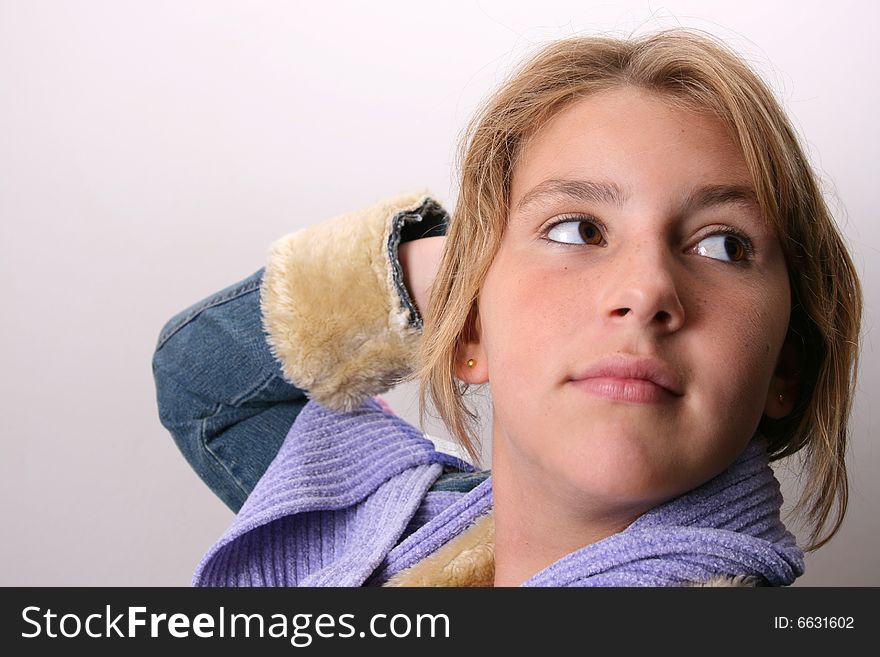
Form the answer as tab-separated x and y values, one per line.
369	436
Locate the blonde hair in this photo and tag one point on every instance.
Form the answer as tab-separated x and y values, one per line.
699	73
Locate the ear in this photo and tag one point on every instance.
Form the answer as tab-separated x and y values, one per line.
470	348
785	381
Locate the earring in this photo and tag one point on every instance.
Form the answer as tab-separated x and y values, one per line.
471	362
780	399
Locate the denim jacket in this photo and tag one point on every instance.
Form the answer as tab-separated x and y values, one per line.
328	318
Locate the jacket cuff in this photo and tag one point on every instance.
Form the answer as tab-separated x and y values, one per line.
336	313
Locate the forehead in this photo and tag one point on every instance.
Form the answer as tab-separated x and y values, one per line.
630	140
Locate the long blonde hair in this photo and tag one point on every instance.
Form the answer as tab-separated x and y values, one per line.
696	71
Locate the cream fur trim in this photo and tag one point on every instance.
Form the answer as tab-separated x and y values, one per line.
466	560
739	581
331	312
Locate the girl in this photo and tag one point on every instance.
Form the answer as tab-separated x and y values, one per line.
643	270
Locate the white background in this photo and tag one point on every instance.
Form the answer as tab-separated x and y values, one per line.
151	151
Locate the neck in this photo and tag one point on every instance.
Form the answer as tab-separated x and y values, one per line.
536	523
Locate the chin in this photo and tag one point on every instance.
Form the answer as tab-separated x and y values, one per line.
627	472
621	490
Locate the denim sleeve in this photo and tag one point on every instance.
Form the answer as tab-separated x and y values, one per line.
221	393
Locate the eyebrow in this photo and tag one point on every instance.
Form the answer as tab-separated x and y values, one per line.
577	190
712	195
608	193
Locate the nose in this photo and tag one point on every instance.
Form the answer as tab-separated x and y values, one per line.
643	292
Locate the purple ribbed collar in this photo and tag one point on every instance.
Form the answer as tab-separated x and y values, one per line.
334	504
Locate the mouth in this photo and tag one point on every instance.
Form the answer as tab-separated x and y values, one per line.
629	378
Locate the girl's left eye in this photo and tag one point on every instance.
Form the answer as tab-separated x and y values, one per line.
575	231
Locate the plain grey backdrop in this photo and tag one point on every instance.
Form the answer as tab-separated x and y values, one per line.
151	151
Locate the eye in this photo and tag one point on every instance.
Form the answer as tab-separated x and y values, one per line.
726	245
575	231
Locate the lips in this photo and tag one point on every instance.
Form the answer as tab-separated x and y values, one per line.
629	375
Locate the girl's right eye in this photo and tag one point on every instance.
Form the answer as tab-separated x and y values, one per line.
575	231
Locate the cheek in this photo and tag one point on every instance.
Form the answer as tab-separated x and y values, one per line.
526	317
737	352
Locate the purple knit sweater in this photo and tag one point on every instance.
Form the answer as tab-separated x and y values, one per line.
347	502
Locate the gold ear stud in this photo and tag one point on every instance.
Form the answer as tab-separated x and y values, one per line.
472	363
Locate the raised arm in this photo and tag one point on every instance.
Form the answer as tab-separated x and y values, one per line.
330	318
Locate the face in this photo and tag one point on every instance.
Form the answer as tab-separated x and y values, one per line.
633	233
